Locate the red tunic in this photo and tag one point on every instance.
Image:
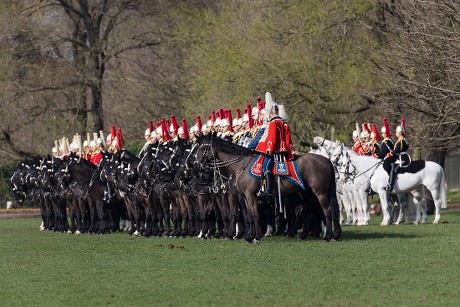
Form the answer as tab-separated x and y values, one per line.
357	148
95	158
276	139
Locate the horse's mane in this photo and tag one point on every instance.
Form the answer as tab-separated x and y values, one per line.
229	147
129	157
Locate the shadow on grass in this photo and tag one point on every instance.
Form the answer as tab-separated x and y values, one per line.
374	235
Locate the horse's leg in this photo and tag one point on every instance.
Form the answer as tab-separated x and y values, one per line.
402	208
63	206
348	208
353	207
384	199
232	211
253	235
165	205
43	214
419	198
201	199
216	228
361	199
328	214
334	205
437	202
101	217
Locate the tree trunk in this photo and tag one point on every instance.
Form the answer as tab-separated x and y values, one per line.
438	156
96	106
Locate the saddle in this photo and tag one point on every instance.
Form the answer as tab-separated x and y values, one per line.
412	168
287	170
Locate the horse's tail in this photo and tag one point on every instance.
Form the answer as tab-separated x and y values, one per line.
443	189
333	202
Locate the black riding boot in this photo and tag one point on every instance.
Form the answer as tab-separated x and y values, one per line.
391	180
269	181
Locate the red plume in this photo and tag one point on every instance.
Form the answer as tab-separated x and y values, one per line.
213	116
151	126
403	124
250	122
259	108
366	128
174	124
198	123
168	126
387	128
120	142
238	114
222	115
165	131
259	99
162	124
229	112
184	128
376	133
113	132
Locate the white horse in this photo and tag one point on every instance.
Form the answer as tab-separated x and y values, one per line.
431	176
327	148
345	190
354	192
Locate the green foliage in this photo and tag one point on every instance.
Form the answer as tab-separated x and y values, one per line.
134	147
309	54
402	265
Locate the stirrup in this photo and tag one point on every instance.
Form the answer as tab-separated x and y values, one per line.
263	194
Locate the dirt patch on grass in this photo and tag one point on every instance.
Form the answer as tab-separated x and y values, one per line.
19	213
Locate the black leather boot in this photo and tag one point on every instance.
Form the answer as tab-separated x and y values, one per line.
269	182
391	180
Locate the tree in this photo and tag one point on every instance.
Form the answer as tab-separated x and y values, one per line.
308	54
419	63
63	57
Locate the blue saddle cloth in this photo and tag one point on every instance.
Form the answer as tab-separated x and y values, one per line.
290	171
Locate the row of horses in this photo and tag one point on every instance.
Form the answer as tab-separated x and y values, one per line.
201	189
358	176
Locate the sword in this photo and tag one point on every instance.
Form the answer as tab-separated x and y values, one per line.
279	196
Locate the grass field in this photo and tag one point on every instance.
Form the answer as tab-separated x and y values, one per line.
406	265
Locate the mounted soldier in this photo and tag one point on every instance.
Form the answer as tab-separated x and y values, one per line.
374	143
399	156
275	143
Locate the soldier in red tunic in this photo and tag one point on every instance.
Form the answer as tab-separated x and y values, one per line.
275	143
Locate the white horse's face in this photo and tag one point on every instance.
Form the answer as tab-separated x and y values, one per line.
337	155
347	170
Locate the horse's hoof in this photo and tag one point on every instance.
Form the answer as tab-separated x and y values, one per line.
384	224
69	232
435	222
77	232
255	241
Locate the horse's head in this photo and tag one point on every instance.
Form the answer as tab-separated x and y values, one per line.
336	155
62	176
145	168
110	168
19	181
347	169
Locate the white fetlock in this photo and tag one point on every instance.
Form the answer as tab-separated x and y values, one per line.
77	232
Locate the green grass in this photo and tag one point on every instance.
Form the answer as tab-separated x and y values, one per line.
453	197
406	265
